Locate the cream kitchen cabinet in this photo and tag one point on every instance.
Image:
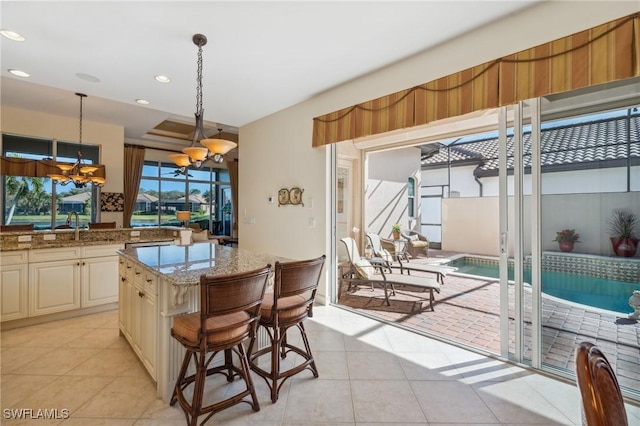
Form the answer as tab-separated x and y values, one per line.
14	285
139	311
68	278
99	275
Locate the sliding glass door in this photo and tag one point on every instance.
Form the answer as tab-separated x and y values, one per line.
569	184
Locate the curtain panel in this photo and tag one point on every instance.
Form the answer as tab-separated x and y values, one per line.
133	163
233	180
605	53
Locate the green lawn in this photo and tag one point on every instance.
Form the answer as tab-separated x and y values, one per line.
44	221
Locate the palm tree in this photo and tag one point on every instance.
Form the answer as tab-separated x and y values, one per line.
28	192
16	188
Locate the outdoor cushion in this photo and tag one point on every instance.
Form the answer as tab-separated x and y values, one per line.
413	238
364	268
419	243
384	254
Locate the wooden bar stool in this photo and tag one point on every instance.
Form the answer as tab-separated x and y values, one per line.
229	313
294	292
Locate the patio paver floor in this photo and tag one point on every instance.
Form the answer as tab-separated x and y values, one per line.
467	311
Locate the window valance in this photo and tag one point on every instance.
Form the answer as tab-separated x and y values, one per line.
598	55
13	166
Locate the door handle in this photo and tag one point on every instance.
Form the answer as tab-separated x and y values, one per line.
503	243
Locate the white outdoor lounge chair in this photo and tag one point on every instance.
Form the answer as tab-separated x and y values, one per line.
440	270
365	272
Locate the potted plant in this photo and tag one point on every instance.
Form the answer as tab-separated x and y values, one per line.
623	227
395	230
566	239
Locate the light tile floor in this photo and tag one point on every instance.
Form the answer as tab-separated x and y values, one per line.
370	373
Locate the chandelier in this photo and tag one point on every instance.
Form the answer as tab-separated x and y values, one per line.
212	149
78	173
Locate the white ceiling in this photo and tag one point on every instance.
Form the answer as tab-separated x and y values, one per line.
261	56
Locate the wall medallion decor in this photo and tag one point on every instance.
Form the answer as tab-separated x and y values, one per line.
112	202
283	197
295	196
290	196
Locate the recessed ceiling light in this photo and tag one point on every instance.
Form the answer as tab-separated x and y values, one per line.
19	73
12	35
87	77
162	78
143	101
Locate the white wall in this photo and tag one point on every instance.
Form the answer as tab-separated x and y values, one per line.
276	151
110	138
386	190
577	181
471	225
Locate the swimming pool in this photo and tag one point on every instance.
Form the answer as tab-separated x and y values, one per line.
586	290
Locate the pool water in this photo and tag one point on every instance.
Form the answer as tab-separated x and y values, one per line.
591	291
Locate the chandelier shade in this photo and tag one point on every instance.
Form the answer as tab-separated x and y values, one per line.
181	160
209	149
196	153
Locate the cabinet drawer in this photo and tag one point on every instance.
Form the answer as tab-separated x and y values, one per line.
53	254
100	251
14	257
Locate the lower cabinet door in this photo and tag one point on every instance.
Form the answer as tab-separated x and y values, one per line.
149	330
99	280
14	289
54	287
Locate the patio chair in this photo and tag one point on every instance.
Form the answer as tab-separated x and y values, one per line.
416	243
602	403
396	253
363	271
382	253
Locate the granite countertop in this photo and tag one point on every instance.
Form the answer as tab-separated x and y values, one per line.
183	265
10	241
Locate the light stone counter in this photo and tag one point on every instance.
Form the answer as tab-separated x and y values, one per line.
10	241
183	265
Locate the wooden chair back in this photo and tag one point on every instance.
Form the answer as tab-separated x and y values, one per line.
602	403
297	278
230	294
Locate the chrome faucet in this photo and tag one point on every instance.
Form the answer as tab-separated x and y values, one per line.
77	228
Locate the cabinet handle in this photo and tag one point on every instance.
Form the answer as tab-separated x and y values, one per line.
140	294
123	279
78	264
83	263
138	272
128	267
149	280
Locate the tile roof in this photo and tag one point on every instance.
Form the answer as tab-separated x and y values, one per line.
563	148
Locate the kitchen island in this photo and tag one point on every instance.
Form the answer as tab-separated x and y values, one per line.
157	283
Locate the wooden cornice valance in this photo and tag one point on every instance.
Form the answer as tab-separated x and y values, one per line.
605	53
13	166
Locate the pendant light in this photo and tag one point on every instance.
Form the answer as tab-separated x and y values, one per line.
78	173
212	149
